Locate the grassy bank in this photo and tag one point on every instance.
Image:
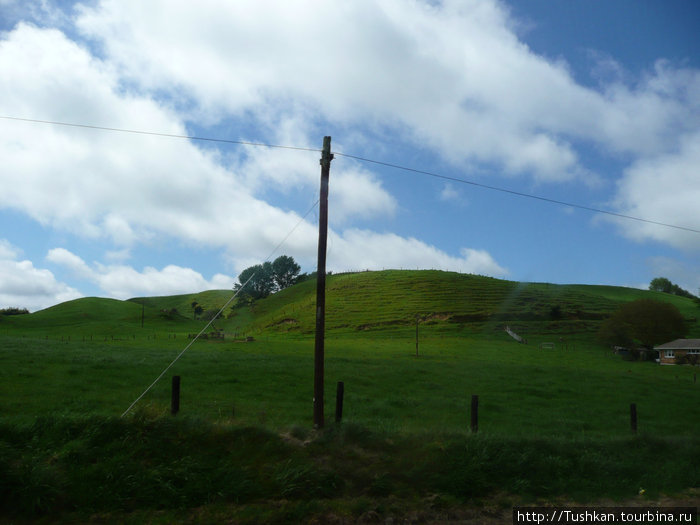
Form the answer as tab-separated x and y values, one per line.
80	467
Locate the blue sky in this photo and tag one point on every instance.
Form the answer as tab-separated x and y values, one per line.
591	103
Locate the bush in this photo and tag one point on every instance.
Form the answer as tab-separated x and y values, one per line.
13	311
644	322
687	359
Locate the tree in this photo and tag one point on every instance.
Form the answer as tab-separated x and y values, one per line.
644	322
661	284
256	282
285	271
259	281
197	309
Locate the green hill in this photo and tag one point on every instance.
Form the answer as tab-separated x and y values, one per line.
393	298
209	300
379	301
96	315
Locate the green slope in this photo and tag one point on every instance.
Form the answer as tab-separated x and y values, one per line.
93	315
381	300
209	300
378	301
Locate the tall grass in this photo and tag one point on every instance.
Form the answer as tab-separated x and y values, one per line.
102	464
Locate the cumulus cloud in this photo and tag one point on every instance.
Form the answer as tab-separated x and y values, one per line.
22	285
449	77
122	188
133	189
123	282
445	71
63	257
359	249
435	72
664	189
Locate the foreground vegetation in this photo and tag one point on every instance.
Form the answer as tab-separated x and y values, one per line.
553	423
111	467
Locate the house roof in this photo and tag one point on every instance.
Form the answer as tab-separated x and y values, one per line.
680	344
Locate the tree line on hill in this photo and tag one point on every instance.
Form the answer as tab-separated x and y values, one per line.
662	284
13	311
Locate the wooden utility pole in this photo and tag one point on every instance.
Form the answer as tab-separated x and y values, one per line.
319	349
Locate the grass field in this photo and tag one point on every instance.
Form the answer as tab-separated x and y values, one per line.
68	372
523	390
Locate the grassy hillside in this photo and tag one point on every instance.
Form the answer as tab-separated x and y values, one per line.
451	301
383	301
242	448
209	300
96	316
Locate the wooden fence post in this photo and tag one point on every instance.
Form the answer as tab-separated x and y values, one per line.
475	414
339	394
175	396
633	417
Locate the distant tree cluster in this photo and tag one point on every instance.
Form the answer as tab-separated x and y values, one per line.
261	280
644	322
13	311
197	309
661	284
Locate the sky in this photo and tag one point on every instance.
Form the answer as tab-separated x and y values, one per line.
592	104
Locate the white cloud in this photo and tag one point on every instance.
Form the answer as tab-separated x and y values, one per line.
63	257
122	188
357	194
22	285
444	71
451	75
359	249
664	189
123	282
7	251
449	193
134	188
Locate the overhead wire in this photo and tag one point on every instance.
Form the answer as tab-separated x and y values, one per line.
337	154
371	161
514	192
159	134
243	285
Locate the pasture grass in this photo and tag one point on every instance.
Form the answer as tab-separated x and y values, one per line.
553	423
584	391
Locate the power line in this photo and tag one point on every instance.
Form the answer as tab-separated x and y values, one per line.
160	376
518	193
157	134
372	161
